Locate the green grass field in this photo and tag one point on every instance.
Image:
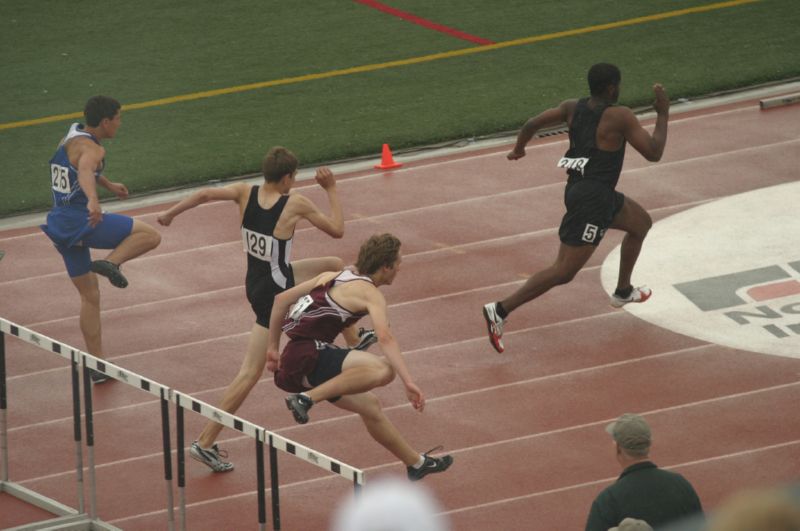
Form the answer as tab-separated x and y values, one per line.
54	55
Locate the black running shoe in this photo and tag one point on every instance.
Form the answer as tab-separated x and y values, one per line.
299	405
432	465
366	338
111	272
98	377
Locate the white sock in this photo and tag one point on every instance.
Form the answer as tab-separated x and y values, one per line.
419	463
309	398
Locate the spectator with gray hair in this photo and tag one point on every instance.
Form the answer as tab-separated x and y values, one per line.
643	491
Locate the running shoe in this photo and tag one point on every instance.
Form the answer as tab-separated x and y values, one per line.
98	377
299	405
211	457
494	324
366	338
432	465
639	294
111	272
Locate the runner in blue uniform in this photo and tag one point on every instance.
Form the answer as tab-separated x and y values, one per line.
269	214
76	223
598	132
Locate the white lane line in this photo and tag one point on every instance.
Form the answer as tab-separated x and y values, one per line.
611	479
411	256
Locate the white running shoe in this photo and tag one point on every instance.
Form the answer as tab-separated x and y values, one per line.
639	294
494	325
212	457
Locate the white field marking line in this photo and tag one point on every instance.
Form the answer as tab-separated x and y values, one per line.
115	359
438	205
533	233
612	313
516	498
452	248
472	290
240	334
461	450
224	499
436	163
610	479
402	406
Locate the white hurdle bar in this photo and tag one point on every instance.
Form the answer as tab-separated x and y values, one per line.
261	436
69	518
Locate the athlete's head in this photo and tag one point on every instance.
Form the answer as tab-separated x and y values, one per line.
99	107
604	80
278	162
381	250
102	114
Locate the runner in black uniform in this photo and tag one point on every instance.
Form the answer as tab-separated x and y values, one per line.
269	215
598	132
315	370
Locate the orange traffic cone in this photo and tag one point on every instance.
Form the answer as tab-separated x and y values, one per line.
387	162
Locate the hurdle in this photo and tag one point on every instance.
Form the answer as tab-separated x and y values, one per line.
67	517
82	363
262	437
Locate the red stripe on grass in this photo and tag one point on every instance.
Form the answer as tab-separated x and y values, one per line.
425	23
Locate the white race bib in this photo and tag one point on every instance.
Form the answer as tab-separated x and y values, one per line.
573	164
257	244
300	306
59	177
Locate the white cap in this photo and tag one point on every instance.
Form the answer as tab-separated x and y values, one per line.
390	504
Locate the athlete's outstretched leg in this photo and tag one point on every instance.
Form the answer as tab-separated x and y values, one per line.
368	407
250	372
636	222
570	260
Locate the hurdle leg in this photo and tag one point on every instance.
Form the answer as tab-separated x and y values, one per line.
89	419
167	459
273	473
3	412
181	463
76	426
260	489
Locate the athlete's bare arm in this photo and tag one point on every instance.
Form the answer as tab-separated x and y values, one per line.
238	192
549	118
118	189
300	207
280	308
87	157
650	146
376	306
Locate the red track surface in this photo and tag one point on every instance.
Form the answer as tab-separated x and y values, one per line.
525	427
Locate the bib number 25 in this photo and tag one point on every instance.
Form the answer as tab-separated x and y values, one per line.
59	178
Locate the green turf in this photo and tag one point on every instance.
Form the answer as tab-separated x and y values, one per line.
137	52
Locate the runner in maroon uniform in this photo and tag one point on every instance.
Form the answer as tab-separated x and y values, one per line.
314	369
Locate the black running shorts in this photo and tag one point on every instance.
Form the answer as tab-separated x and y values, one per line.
591	207
261	291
